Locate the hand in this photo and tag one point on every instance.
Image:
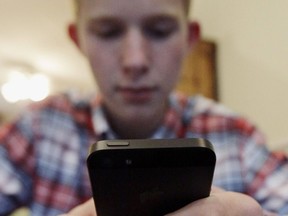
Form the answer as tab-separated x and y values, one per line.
219	203
85	209
223	203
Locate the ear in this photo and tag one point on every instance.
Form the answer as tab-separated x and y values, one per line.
194	33
73	33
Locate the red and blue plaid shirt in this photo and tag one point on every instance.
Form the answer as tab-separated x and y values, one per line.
43	153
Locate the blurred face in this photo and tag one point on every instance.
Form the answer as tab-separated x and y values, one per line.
135	49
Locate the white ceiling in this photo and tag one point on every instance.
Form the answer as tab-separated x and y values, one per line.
33	34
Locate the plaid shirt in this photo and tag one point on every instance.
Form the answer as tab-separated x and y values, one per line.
43	153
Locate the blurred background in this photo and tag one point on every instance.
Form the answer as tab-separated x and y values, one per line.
37	58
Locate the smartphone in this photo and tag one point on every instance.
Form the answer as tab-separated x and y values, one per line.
149	177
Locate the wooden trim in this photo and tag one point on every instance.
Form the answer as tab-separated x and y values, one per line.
199	71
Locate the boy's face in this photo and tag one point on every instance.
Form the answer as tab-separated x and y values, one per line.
135	49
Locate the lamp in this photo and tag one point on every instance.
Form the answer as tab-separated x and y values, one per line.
24	84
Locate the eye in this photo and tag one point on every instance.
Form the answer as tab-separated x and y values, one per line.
107	29
160	29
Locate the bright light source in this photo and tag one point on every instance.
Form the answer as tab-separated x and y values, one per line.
9	94
22	87
38	87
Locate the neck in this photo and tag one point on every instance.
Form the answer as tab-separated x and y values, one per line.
135	128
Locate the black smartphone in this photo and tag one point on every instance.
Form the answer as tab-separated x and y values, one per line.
149	177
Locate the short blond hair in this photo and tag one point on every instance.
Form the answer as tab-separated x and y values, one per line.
186	6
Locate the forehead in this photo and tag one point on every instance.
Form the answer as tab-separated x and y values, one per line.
130	8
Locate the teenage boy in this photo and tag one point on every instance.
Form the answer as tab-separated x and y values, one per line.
135	49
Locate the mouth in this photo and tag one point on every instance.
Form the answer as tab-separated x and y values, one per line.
137	95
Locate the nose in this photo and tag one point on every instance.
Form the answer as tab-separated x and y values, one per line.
134	54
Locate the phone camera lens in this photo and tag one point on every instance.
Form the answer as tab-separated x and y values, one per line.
128	162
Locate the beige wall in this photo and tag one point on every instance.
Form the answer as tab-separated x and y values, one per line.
252	38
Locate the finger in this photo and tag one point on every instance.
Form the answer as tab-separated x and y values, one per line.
85	209
215	189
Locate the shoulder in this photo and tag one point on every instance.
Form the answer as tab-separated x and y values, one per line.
204	115
61	107
64	102
60	102
199	105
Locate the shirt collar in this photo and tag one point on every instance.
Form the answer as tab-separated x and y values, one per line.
101	126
